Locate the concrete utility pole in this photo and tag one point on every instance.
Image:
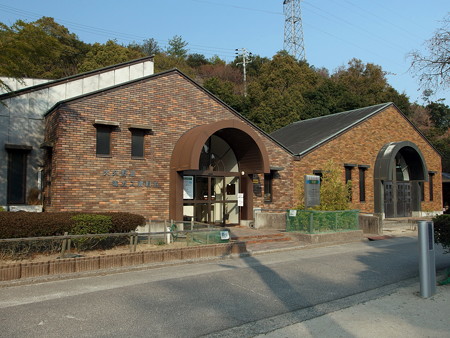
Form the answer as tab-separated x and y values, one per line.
293	29
246	58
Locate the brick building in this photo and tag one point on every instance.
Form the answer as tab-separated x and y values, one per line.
394	170
163	147
125	139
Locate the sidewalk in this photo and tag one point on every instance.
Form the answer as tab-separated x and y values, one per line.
402	313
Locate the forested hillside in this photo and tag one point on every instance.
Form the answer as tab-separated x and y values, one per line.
278	91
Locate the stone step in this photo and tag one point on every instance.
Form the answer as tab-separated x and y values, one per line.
252	239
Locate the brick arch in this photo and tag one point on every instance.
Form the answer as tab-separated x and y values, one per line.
249	149
384	170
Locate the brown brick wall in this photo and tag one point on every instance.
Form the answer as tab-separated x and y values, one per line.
171	105
361	145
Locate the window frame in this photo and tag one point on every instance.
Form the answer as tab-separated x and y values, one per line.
137	143
106	142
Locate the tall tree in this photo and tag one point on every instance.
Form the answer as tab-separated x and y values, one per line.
177	47
433	67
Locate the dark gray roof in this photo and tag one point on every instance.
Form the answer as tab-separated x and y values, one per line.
302	136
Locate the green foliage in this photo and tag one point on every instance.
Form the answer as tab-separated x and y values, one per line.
2	209
91	224
439	114
110	53
334	193
177	47
442	231
311	221
41	49
31	224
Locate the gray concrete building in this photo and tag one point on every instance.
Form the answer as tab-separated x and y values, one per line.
22	124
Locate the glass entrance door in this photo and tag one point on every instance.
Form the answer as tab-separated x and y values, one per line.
214	200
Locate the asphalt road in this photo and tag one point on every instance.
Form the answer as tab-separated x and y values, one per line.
231	297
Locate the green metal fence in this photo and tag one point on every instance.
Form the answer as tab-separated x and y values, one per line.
212	236
314	221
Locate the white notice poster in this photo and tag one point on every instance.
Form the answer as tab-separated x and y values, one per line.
188	187
240	197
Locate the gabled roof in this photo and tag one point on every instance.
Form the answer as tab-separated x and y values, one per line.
303	136
72	78
155	76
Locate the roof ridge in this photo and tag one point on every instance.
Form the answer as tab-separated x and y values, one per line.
382	105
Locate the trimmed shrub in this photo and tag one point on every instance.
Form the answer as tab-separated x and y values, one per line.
90	224
442	231
31	224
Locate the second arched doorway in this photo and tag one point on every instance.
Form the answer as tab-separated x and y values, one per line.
400	171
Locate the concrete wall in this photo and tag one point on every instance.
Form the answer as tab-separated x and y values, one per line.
22	115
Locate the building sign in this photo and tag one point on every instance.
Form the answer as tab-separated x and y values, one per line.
188	187
240	197
128	178
312	190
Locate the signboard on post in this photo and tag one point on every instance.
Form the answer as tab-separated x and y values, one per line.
312	190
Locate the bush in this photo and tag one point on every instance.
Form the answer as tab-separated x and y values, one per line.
31	224
91	224
442	231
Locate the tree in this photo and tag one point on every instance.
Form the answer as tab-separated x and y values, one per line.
40	49
439	114
366	85
148	47
433	67
196	60
177	47
334	193
276	95
110	53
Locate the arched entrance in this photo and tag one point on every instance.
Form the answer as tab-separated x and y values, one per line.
399	173
210	166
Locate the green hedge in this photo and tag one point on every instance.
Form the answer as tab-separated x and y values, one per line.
31	224
442	231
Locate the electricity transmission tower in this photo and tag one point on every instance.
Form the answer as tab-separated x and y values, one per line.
293	29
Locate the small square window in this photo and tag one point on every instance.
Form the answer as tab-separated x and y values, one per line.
137	143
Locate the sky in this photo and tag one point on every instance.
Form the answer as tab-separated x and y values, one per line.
382	32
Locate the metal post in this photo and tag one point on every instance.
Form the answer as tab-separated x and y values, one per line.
427	263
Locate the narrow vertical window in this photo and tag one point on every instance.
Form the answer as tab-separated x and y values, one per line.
137	143
362	184
103	140
268	178
17	174
422	191
348	178
431	177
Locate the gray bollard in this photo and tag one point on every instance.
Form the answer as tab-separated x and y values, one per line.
427	263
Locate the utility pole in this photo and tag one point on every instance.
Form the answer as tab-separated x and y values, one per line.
293	29
246	59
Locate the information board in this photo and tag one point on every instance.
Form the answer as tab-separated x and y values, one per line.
312	190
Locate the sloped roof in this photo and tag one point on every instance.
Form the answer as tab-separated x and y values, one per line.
302	136
51	83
